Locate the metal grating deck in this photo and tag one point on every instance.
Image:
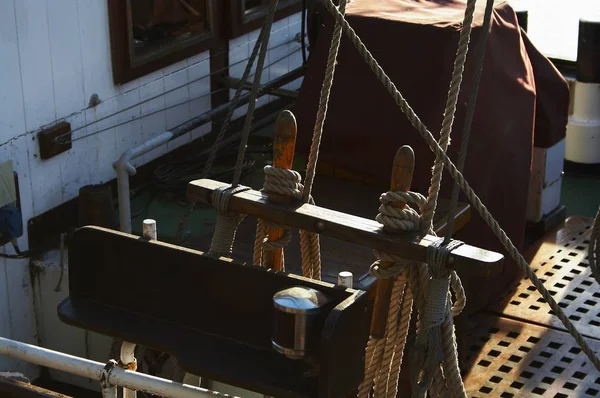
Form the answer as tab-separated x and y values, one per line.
561	263
520	349
513	359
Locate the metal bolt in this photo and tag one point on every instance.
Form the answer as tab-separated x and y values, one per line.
320	226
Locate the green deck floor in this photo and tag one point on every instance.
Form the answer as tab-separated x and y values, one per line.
581	194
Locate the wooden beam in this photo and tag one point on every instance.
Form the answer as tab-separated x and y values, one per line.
346	227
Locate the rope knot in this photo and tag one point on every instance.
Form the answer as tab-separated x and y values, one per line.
400	219
283	181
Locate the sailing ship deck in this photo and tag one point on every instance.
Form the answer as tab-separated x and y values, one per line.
514	347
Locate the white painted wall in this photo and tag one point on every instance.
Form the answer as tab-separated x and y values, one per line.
54	55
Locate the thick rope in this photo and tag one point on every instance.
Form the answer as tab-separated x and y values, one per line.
227	222
459	178
309	241
263	35
471	104
402	334
432	346
449	113
407	219
313	155
373	355
283	182
382	372
395	337
594	248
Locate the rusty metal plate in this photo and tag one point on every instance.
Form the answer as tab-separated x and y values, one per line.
513	359
561	262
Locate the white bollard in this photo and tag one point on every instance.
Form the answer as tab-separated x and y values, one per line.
149	229
583	129
346	279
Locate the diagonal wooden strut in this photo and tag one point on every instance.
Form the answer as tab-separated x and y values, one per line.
346	227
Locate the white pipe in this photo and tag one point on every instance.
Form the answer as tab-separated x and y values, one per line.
128	359
125	169
114	375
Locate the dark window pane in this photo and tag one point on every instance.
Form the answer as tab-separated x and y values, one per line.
158	27
252	5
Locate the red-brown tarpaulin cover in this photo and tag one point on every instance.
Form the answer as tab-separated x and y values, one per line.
522	99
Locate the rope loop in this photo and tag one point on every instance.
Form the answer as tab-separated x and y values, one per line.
283	181
397	270
227	221
271	245
221	197
400	219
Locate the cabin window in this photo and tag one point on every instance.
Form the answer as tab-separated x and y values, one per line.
147	35
249	15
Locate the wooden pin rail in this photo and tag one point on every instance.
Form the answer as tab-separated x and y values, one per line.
346	227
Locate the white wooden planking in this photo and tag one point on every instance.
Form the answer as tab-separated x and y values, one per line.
75	168
156	122
177	101
67	69
35	59
95	49
12	117
22	323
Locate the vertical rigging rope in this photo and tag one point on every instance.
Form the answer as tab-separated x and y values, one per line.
471	104
264	34
449	113
227	221
309	241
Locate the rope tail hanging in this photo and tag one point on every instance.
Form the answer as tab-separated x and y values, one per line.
228	221
460	180
309	241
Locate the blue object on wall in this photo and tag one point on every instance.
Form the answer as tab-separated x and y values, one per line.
11	222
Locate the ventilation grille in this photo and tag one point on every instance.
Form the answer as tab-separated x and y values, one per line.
562	265
514	359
